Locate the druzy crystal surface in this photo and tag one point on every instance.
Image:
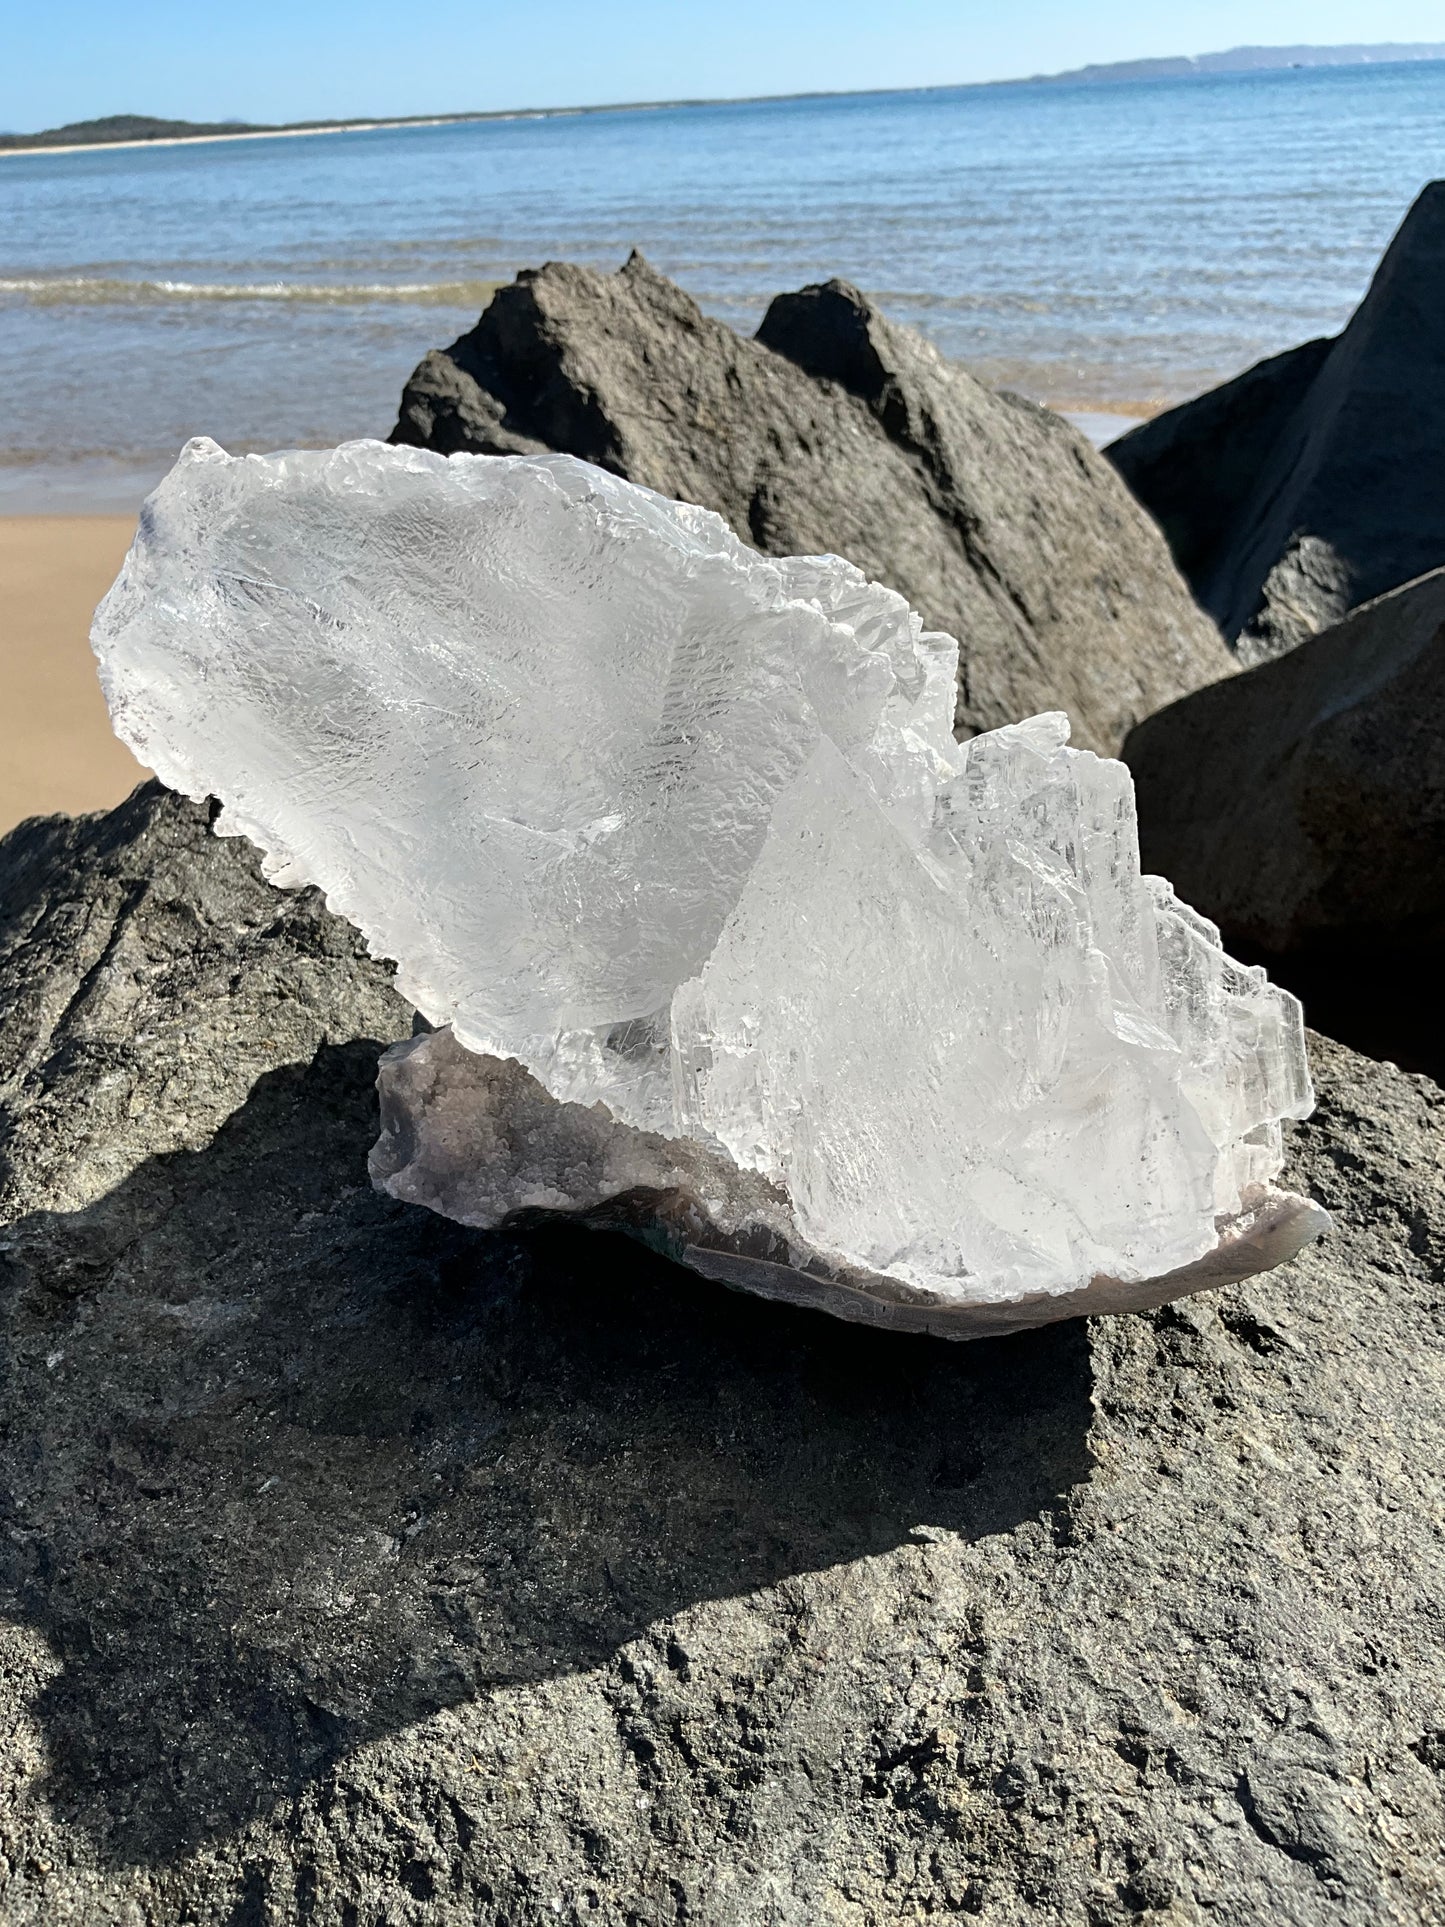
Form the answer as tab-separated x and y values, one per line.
682	832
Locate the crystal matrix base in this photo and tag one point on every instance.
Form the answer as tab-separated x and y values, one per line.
479	1140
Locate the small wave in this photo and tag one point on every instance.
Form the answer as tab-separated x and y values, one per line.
54	291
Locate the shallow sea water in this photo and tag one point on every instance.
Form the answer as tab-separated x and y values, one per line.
1107	249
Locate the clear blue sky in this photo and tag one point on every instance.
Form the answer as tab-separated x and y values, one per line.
291	59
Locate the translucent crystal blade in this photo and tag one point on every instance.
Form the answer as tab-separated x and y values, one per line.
683	830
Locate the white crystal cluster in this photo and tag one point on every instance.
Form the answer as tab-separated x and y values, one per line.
683	830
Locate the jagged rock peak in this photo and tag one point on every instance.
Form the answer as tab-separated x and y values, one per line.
838	431
1315	481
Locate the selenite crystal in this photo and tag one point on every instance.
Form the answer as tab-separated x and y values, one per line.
838	1008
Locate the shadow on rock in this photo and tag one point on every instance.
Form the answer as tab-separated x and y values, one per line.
287	1466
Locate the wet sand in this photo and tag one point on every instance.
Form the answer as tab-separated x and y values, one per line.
59	750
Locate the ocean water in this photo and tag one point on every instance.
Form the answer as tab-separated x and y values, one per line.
1108	249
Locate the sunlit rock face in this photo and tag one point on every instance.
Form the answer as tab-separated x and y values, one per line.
834	1007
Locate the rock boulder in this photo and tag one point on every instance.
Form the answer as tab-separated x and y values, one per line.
1302	807
355	1567
836	431
1316	481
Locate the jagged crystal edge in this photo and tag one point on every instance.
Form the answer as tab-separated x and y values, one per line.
683	830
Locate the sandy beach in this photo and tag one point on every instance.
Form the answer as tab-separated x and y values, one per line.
61	754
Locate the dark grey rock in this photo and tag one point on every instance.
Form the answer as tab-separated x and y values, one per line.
1302	806
836	430
1196	467
358	1568
1316	481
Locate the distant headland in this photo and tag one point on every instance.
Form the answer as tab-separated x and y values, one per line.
146	130
1246	60
137	130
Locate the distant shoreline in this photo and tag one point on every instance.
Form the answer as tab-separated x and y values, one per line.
334	127
1238	63
36	144
249	134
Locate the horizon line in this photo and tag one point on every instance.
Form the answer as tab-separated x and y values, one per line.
1088	75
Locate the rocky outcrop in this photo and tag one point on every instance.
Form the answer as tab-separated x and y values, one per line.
1195	467
1302	806
837	431
356	1567
1316	481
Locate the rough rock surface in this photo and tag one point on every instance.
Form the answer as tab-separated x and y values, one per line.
837	431
1316	481
1302	807
1193	467
356	1568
